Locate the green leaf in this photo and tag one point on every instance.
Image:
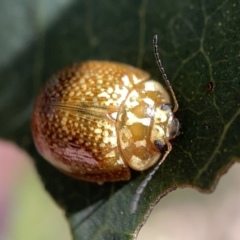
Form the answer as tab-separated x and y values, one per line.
199	46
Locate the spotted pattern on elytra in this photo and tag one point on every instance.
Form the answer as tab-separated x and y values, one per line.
74	121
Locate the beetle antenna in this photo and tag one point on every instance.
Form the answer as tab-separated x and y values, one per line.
159	63
144	183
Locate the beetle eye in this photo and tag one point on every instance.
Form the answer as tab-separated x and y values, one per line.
159	145
167	107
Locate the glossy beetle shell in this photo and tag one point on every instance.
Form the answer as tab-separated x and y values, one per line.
94	120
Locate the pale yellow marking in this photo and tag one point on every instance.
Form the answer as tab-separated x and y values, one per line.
122	93
134	94
150	86
111	154
71	94
102	145
104	94
135	79
82	81
113	141
125	80
97	137
119	161
133	119
105	134
132	104
114	115
161	115
110	90
98	130
125	133
141	143
114	95
148	101
106	140
135	161
86	75
108	102
84	86
63	122
157	133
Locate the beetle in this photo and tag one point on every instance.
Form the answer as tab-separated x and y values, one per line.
97	119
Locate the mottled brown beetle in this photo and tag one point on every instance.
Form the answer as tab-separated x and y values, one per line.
95	120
